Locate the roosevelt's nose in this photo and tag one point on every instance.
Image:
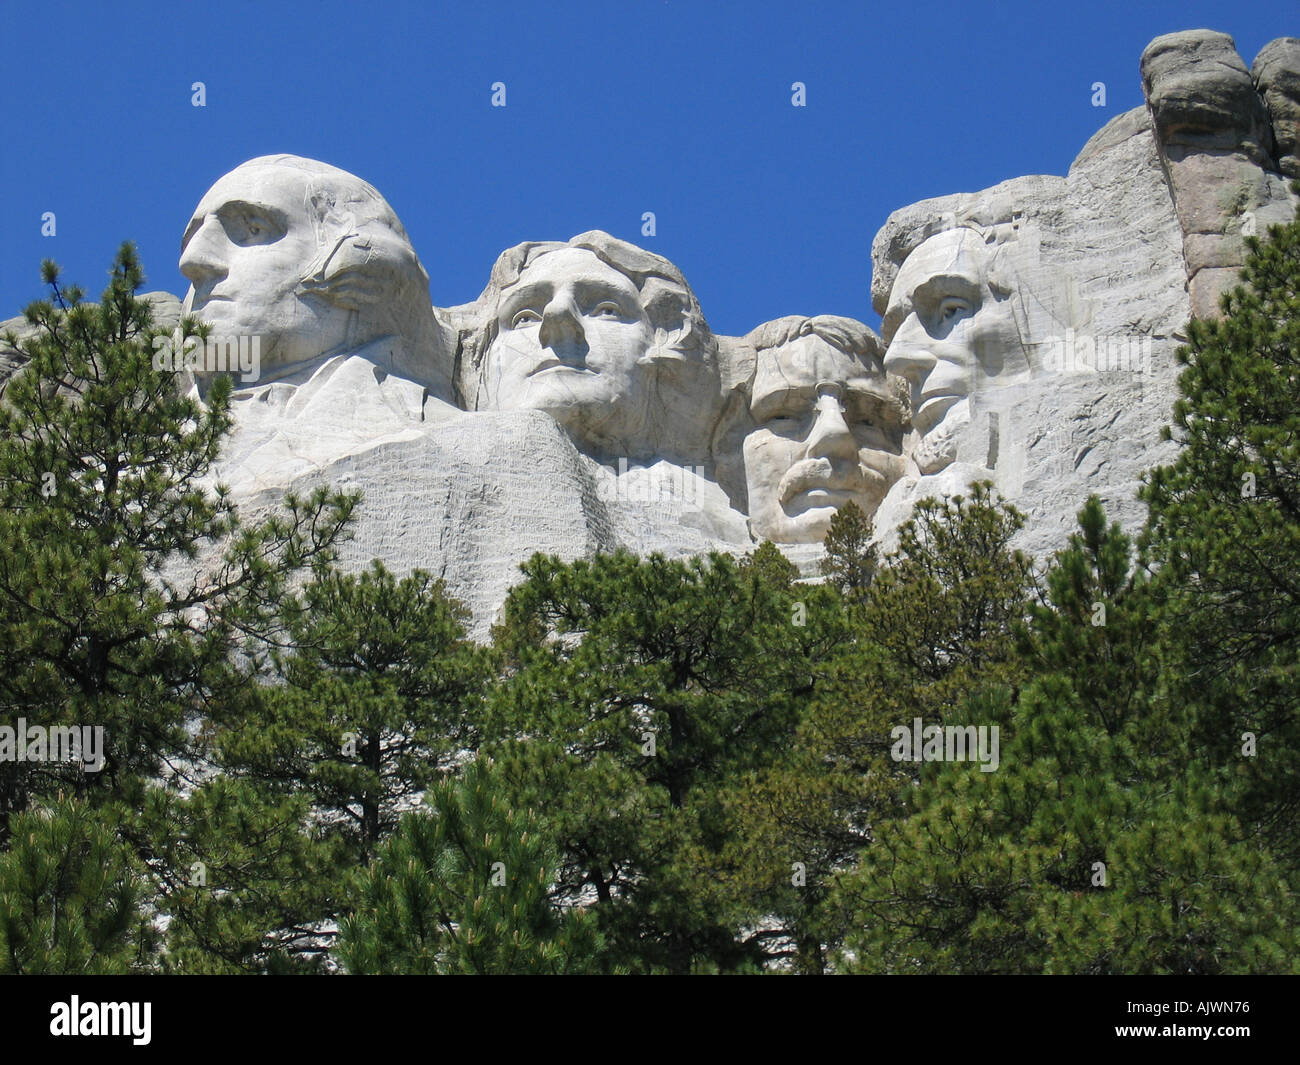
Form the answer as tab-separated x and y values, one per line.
909	353
561	323
830	437
202	261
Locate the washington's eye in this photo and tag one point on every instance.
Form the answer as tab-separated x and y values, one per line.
607	309
952	308
246	227
524	317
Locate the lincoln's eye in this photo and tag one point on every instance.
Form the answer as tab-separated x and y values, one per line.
525	317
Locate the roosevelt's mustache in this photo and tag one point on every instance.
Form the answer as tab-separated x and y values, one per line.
808	474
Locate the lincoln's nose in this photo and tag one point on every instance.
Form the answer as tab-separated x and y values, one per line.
909	353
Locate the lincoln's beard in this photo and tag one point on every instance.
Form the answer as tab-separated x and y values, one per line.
937	449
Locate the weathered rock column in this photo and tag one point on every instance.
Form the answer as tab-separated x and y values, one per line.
1216	144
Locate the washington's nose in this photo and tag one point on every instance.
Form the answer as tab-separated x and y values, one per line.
561	323
201	261
830	436
909	352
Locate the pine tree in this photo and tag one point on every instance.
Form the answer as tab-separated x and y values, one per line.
375	700
767	562
125	584
464	886
73	898
248	880
372	700
1225	533
850	558
128	585
932	626
637	690
1105	841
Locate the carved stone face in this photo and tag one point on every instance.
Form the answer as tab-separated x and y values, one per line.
571	333
244	253
948	333
827	432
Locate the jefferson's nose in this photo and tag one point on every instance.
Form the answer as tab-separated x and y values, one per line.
561	323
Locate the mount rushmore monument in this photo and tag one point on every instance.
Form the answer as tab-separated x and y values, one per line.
582	402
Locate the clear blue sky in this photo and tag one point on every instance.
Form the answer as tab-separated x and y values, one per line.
613	108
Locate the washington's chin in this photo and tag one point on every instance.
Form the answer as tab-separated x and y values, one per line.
815	522
806	518
225	320
212	313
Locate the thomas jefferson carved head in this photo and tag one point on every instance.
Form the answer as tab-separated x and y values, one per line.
606	338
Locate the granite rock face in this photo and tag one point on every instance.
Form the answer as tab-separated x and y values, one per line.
1216	145
166	315
1091	264
1276	71
1107	263
582	403
470	496
1202	96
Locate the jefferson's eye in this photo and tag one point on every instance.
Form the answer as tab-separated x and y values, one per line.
607	309
524	317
